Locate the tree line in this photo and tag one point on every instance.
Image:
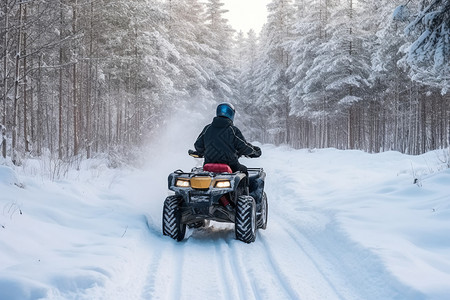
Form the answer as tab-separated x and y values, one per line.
350	74
80	77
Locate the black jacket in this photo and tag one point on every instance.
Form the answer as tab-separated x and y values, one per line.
222	142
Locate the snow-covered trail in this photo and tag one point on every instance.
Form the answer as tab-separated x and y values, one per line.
303	254
342	225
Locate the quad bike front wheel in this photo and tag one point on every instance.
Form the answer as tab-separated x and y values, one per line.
171	221
245	220
263	213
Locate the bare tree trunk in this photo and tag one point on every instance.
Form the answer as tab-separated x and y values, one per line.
89	86
417	123
396	117
60	105
69	115
287	120
60	109
32	110
110	114
423	126
40	120
99	111
411	127
118	123
434	114
75	110
444	124
47	125
74	87
5	79
16	90
25	87
350	134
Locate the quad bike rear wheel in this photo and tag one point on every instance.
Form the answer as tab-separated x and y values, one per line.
171	222
263	213
245	220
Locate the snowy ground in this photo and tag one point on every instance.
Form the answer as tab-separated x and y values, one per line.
342	225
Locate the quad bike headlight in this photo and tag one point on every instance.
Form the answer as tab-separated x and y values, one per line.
223	184
183	183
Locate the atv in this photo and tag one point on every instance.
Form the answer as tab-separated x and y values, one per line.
214	193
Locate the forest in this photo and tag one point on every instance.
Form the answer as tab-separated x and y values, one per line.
80	77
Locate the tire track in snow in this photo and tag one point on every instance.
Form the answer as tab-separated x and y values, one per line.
333	280
333	272
348	269
280	276
302	277
227	265
205	270
162	254
256	276
138	272
243	278
149	290
165	270
352	272
177	269
320	267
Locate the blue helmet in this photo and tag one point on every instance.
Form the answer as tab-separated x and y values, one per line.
225	110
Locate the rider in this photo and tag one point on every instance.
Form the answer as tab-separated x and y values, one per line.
222	142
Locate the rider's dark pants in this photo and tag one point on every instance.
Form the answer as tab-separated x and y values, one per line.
238	167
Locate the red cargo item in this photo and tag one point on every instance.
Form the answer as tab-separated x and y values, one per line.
217	168
224	200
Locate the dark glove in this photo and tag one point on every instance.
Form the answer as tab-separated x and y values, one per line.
256	152
194	154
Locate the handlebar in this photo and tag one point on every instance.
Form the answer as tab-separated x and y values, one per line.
194	154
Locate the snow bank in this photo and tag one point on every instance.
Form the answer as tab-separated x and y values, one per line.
395	205
8	176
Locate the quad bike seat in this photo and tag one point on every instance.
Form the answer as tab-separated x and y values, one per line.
217	168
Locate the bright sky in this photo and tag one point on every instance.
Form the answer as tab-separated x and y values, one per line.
246	14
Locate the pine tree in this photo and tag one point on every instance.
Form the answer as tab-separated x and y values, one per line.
276	61
255	121
186	28
219	38
429	54
340	70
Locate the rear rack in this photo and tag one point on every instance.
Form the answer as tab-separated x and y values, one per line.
199	171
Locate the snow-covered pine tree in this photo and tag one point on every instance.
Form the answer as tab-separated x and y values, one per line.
274	80
308	33
429	54
255	121
140	67
341	67
219	38
239	61
388	107
186	28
